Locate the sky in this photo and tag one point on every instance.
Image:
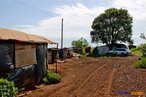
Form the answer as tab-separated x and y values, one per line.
43	17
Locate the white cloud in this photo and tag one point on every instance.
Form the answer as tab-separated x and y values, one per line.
78	19
77	22
136	8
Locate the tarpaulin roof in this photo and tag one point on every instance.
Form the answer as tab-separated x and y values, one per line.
6	34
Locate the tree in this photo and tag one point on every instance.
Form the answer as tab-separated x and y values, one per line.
111	26
142	36
80	43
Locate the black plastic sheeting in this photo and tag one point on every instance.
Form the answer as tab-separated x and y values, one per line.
61	53
23	76
41	53
6	57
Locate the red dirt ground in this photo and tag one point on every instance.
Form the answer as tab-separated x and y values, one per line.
96	77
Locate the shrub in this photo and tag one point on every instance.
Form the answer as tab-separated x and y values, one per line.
134	49
83	51
143	50
52	78
137	51
7	88
140	50
140	63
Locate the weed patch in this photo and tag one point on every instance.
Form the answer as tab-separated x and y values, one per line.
51	78
141	63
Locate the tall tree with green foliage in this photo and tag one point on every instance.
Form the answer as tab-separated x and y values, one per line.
80	43
111	26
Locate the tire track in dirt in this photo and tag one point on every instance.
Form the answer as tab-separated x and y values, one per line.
104	90
73	84
105	81
92	83
109	85
82	81
128	79
92	78
86	80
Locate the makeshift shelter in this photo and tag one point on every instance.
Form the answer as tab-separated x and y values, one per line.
67	53
103	50
23	57
55	53
52	54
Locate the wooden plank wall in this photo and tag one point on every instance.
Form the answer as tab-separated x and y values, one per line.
25	54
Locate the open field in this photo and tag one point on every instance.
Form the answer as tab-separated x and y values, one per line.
96	77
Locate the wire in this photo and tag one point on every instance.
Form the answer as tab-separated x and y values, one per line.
26	5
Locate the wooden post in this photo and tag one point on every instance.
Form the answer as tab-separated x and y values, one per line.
56	57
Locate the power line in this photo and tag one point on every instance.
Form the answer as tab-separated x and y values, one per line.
26	5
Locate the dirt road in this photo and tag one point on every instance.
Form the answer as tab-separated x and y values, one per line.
96	77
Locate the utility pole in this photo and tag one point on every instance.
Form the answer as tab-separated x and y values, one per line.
62	33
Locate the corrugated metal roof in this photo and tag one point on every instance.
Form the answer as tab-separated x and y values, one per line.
6	34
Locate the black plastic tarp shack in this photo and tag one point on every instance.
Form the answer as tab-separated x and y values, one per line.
23	75
32	73
23	61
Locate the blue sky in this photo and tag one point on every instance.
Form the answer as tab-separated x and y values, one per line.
25	15
18	12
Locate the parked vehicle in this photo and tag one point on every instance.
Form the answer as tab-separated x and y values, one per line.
120	51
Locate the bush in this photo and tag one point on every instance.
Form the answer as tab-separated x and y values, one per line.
134	49
140	50
137	51
83	51
52	78
140	63
143	50
7	88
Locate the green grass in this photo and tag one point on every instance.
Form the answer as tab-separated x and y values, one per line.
137	53
141	63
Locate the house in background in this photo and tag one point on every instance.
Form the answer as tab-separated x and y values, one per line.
23	57
103	50
52	55
55	53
